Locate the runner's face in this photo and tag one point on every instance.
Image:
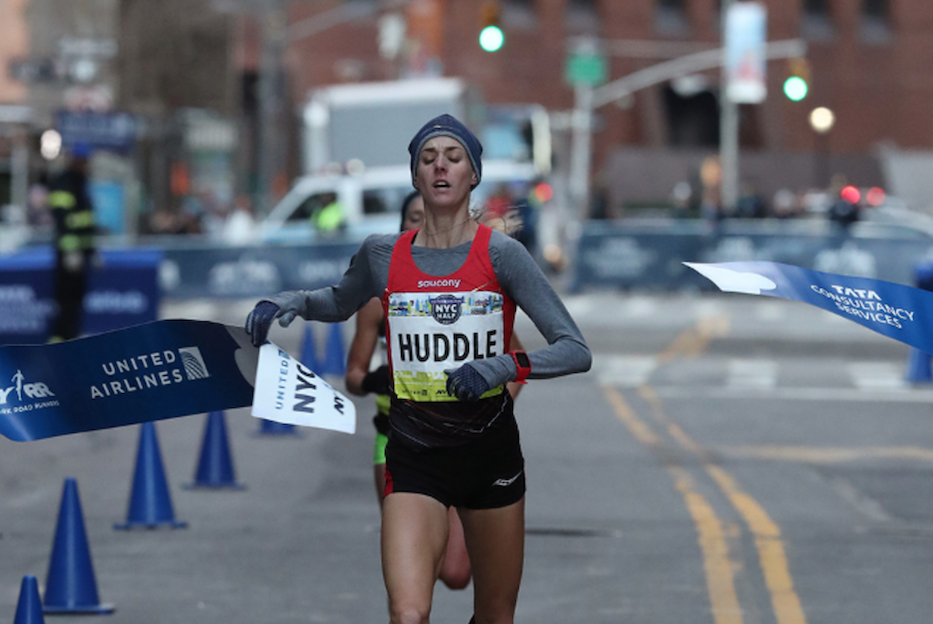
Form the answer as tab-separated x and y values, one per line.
415	215
444	175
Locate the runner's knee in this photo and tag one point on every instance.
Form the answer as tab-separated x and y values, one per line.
409	615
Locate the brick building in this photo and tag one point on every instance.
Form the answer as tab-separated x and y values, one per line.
869	61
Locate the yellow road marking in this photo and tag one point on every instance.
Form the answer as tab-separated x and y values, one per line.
693	341
774	565
718	567
639	430
827	455
654	403
720	581
786	603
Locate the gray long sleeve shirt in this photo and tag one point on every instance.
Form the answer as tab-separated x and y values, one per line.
518	274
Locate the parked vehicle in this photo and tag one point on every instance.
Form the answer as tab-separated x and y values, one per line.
371	200
354	151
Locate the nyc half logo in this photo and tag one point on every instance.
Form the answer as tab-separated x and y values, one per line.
147	371
290	393
25	396
446	308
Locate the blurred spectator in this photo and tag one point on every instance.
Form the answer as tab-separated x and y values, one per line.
527	206
750	204
330	218
213	215
161	221
190	214
38	214
599	200
14	229
842	211
681	197
172	221
240	226
710	208
785	204
498	204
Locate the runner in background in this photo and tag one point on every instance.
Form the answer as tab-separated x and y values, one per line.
370	332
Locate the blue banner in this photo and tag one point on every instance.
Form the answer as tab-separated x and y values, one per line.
252	272
894	310
122	291
149	372
647	254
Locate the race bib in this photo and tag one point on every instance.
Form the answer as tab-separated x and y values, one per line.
432	332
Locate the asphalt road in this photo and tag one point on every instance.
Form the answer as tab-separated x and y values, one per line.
729	460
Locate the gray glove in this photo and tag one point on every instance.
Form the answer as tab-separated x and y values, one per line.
473	379
466	384
284	306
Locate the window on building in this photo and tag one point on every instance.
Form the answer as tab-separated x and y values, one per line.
670	17
876	9
874	21
816	21
716	20
520	14
816	7
692	117
582	16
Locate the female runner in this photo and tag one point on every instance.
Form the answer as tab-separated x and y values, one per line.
449	291
370	332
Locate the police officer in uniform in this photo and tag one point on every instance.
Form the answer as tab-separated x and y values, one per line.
75	250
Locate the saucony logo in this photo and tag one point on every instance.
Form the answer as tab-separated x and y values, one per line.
507	482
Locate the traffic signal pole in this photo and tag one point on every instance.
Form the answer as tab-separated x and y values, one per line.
728	132
581	147
277	35
650	76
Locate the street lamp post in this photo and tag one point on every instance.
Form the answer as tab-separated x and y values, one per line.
822	120
272	103
728	131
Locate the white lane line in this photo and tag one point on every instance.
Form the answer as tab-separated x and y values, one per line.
629	371
842	395
747	373
770	312
877	375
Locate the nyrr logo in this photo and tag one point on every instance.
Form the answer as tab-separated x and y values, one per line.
35	390
446	309
195	368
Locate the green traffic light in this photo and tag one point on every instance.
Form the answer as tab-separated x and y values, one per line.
795	88
491	38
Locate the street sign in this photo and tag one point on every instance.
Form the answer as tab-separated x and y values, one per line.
586	68
114	131
35	70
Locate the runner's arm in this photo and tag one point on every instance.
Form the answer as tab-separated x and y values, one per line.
527	285
363	346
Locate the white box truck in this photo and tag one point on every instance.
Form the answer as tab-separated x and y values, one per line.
354	147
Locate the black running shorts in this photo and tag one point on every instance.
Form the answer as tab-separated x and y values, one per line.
482	474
